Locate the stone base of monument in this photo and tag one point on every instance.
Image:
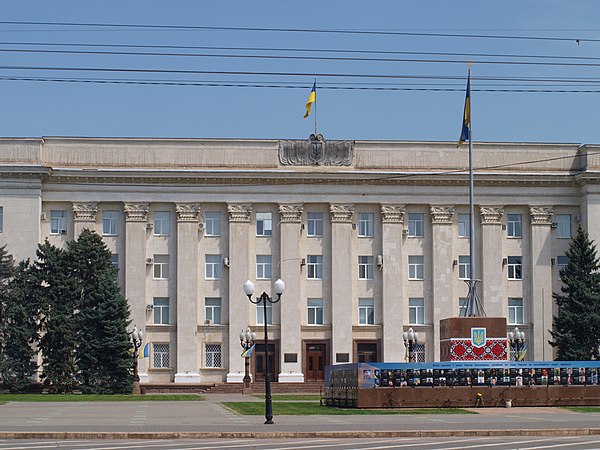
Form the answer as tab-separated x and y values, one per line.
473	339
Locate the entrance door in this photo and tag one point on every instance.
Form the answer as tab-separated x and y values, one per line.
260	362
366	352
315	361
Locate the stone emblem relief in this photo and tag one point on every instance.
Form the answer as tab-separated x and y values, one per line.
85	212
316	151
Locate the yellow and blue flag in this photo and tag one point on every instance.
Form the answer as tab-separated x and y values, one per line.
146	352
312	97
248	352
465	132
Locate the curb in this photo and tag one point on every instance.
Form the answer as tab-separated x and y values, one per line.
66	435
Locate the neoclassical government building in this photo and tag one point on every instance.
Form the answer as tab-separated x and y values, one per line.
370	237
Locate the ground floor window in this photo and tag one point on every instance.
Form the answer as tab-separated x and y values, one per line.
160	355
213	355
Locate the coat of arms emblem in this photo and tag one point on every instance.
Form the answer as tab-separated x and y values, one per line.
478	337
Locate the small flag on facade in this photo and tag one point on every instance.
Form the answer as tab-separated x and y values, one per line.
466	125
312	97
248	352
146	352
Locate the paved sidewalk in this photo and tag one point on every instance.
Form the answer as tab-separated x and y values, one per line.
209	418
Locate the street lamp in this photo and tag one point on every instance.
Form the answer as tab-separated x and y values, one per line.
279	287
516	338
410	337
136	342
247	339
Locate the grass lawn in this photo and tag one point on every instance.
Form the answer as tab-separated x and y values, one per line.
96	398
315	409
583	409
294	397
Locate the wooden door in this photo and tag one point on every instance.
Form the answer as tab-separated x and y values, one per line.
315	361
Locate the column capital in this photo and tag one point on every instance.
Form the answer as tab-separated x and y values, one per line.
441	214
491	215
239	212
291	212
392	213
136	212
187	212
85	212
541	215
341	213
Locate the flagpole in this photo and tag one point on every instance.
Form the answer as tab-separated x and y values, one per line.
315	108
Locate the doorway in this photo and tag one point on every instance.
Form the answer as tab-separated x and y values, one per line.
366	351
260	361
315	361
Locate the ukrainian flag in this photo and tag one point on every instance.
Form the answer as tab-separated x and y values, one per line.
312	97
465	132
247	353
146	352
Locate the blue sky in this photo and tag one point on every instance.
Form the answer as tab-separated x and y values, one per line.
34	108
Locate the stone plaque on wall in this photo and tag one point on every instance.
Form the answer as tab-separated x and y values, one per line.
316	151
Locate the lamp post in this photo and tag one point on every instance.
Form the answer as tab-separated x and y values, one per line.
516	338
279	287
247	339
136	342
410	337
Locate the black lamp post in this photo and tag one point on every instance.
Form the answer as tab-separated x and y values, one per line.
247	339
136	342
279	287
410	337
516	338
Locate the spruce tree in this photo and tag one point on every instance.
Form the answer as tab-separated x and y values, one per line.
576	327
103	353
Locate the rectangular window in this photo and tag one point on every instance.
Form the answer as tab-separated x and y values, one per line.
315	311
260	314
161	310
314	222
365	224
114	260
462	306
415	224
212	310
314	266
212	353
366	311
365	267
109	223
161	267
515	311
514	226
212	223
561	263
515	268
160	356
212	267
264	267
416	311
464	225
162	221
563	225
416	267
464	267
58	221
1	219
264	224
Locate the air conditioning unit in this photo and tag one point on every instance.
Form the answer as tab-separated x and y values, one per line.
379	260
149	226
43	216
149	307
226	262
200	226
62	231
303	261
553	225
405	232
149	260
578	217
207	322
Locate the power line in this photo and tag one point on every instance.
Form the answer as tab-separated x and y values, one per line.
303	30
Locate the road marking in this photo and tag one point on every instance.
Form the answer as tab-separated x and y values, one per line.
565	445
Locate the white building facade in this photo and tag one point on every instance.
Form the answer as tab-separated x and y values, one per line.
370	237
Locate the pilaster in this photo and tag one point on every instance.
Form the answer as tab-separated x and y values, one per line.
239	272
84	216
342	296
441	271
540	300
291	304
491	262
392	223
187	292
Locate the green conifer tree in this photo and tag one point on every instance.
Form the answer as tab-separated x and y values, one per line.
576	327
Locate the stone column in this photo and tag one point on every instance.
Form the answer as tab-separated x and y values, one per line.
495	304
540	297
84	216
187	292
136	218
291	304
440	273
239	272
392	224
342	277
